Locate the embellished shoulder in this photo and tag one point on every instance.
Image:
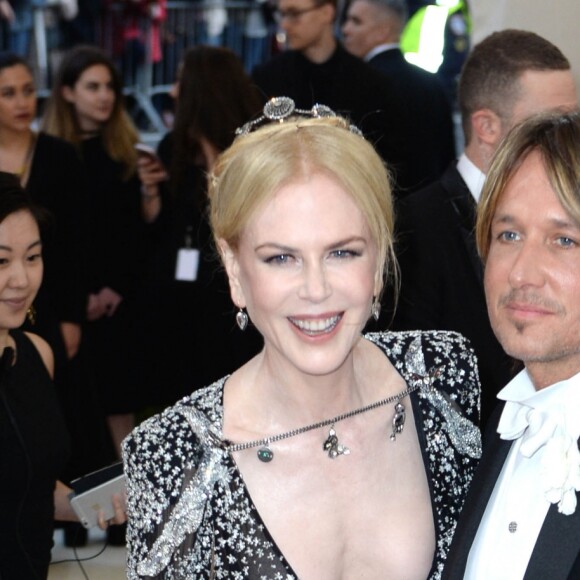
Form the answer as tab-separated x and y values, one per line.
446	406
170	460
447	353
189	513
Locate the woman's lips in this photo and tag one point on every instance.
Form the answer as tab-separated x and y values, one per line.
15	303
316	326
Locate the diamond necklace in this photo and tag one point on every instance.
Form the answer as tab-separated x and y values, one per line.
331	444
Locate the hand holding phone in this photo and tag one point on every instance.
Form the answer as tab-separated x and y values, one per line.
144	151
150	167
92	497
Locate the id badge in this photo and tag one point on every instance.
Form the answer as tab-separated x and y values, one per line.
187	264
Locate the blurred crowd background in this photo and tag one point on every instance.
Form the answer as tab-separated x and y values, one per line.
148	38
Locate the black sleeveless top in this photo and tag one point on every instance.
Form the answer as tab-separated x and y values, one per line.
34	447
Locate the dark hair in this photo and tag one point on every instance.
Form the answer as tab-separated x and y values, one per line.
216	96
13	198
119	133
10	59
490	76
79	59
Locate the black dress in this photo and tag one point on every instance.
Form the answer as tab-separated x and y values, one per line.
192	516
33	451
185	334
114	250
58	183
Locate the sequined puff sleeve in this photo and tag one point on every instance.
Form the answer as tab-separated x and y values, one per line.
158	456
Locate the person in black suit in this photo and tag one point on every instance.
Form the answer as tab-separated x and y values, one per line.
317	69
521	519
508	76
372	31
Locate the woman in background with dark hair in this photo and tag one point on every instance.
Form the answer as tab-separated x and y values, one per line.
34	442
183	329
33	436
213	95
50	170
86	109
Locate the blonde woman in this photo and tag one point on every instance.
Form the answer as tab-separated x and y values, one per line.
329	454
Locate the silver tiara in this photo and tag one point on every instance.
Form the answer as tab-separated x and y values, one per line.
281	108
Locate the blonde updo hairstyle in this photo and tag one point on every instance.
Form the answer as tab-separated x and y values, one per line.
259	164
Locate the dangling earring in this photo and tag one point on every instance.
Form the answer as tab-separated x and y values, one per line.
241	319
376	309
31	314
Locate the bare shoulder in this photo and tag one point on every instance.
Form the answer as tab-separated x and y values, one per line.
44	351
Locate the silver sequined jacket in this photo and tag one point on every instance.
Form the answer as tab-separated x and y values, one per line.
190	515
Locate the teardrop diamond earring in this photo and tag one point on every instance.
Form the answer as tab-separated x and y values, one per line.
241	319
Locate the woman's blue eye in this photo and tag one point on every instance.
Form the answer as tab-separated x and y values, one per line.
345	253
279	259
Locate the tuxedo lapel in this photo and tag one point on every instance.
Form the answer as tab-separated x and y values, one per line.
557	547
494	456
463	204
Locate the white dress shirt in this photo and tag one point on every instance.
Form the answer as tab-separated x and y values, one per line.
545	426
472	175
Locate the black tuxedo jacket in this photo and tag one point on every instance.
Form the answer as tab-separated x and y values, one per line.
428	110
556	555
442	276
353	89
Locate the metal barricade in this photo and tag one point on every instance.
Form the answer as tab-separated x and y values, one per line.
147	46
150	54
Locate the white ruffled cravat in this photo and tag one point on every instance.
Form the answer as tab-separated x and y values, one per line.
546	430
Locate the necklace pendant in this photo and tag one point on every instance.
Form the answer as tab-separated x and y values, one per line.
265	454
333	447
398	421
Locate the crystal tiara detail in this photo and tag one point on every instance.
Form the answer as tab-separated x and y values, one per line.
280	109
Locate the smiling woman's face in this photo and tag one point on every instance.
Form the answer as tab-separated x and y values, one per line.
306	268
20	267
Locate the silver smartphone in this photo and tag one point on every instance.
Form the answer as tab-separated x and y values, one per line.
93	493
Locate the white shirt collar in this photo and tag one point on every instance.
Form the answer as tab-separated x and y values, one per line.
378	49
521	389
472	175
562	398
